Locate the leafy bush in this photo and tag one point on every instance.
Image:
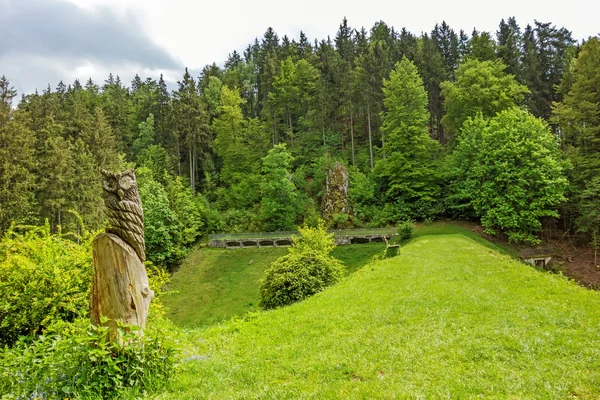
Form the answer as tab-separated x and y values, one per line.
306	270
405	229
296	276
77	360
341	221
162	228
43	278
313	239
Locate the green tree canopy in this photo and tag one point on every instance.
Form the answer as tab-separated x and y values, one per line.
515	176
481	87
278	206
408	170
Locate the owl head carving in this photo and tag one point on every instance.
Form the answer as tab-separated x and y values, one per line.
124	208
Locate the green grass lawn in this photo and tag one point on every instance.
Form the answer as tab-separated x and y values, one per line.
449	318
213	285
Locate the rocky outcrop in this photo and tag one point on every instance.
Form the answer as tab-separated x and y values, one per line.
335	200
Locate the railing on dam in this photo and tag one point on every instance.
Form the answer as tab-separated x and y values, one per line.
283	239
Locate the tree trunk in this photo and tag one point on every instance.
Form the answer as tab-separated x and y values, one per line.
370	137
120	289
191	162
352	136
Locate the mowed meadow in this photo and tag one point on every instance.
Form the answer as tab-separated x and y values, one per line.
451	317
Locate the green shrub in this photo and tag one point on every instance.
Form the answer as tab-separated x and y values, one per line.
405	229
296	276
306	270
77	360
43	278
313	239
341	221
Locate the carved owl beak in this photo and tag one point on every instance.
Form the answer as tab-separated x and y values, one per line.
121	194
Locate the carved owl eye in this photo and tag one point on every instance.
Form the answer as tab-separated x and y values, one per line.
110	185
126	182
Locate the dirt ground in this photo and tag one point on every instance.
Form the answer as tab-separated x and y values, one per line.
576	261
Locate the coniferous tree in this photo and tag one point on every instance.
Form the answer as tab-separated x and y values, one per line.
482	46
431	69
17	152
578	117
191	123
510	43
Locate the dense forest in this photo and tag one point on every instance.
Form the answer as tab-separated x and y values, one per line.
499	126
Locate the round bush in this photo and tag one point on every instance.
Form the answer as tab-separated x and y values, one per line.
298	275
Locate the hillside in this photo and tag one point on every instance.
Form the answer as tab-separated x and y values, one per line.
449	318
214	285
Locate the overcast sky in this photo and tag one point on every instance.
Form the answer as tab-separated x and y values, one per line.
44	41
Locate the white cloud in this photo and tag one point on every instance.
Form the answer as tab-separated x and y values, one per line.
196	33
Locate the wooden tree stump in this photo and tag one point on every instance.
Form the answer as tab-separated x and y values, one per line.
120	289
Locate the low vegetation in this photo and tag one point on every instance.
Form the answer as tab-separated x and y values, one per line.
464	322
307	269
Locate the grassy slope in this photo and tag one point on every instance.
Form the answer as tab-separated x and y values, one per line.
449	318
214	285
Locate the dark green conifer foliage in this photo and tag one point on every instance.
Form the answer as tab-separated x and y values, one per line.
578	117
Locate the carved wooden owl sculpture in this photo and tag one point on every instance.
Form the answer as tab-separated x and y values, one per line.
124	208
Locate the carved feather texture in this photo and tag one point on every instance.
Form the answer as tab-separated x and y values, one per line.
124	209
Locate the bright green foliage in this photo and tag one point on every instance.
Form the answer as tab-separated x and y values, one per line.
306	270
145	138
297	276
516	176
278	205
232	139
313	239
481	87
44	278
361	193
162	228
73	360
405	229
408	171
212	94
214	285
190	210
158	161
461	164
